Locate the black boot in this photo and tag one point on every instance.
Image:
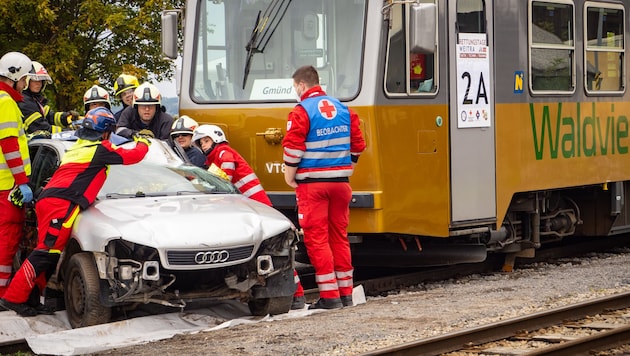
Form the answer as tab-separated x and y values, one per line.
346	300
21	309
327	303
298	303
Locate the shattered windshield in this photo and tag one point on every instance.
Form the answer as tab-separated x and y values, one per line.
248	49
146	179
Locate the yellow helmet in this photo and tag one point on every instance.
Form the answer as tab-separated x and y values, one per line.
124	82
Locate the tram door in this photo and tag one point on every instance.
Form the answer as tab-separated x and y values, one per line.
471	111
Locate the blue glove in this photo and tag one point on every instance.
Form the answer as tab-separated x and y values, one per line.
27	193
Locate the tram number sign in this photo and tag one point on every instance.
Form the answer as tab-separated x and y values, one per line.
473	80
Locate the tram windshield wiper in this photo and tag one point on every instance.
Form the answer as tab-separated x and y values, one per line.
264	27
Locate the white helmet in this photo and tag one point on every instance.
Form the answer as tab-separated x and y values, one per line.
213	131
96	94
184	125
15	65
40	73
147	94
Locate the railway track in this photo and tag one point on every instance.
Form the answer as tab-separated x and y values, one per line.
551	328
396	279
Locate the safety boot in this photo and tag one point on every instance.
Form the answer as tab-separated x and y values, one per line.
346	300
327	303
298	303
21	309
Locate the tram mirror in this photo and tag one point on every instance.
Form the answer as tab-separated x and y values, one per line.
422	28
169	33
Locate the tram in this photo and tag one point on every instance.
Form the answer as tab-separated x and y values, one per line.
492	126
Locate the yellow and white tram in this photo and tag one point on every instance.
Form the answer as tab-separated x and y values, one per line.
492	125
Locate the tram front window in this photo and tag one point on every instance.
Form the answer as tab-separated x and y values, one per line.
322	33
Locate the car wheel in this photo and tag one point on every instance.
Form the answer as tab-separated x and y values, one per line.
81	293
271	306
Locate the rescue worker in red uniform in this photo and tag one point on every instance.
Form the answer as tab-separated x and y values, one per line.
215	146
72	188
322	144
39	119
15	164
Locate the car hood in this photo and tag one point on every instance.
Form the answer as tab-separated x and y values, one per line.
179	222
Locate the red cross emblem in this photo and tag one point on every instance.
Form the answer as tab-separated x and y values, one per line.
327	109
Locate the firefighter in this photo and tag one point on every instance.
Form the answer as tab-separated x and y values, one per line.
15	164
215	146
124	86
146	113
181	134
322	145
96	97
39	119
72	188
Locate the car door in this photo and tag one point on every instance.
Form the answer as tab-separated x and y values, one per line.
44	163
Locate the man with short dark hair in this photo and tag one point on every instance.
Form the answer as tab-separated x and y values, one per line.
322	144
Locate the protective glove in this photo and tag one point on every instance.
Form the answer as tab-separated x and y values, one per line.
20	195
70	116
27	193
141	138
214	169
146	133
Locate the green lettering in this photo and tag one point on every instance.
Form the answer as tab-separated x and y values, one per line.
622	132
539	146
568	139
588	136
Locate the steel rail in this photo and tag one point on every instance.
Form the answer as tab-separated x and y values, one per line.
604	340
503	329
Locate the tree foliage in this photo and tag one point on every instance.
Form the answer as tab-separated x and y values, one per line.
86	42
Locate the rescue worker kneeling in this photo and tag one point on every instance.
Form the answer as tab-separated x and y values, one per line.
72	188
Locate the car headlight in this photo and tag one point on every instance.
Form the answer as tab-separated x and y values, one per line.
280	244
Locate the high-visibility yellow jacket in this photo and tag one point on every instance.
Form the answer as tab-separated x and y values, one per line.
11	126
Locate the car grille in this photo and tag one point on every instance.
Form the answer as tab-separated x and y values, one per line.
187	258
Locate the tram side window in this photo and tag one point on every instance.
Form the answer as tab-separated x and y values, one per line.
552	46
407	72
604	52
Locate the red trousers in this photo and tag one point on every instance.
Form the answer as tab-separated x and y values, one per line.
11	232
55	218
323	214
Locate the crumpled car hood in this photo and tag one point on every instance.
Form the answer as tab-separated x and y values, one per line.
179	222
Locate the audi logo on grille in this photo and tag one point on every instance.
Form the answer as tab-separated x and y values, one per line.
211	257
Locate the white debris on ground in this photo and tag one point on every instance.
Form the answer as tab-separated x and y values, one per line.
417	312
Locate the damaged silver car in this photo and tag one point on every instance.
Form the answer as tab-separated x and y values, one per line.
169	233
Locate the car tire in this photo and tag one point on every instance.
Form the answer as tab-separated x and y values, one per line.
82	291
271	306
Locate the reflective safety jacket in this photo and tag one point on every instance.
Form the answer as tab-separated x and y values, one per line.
323	138
84	168
38	116
238	172
18	167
